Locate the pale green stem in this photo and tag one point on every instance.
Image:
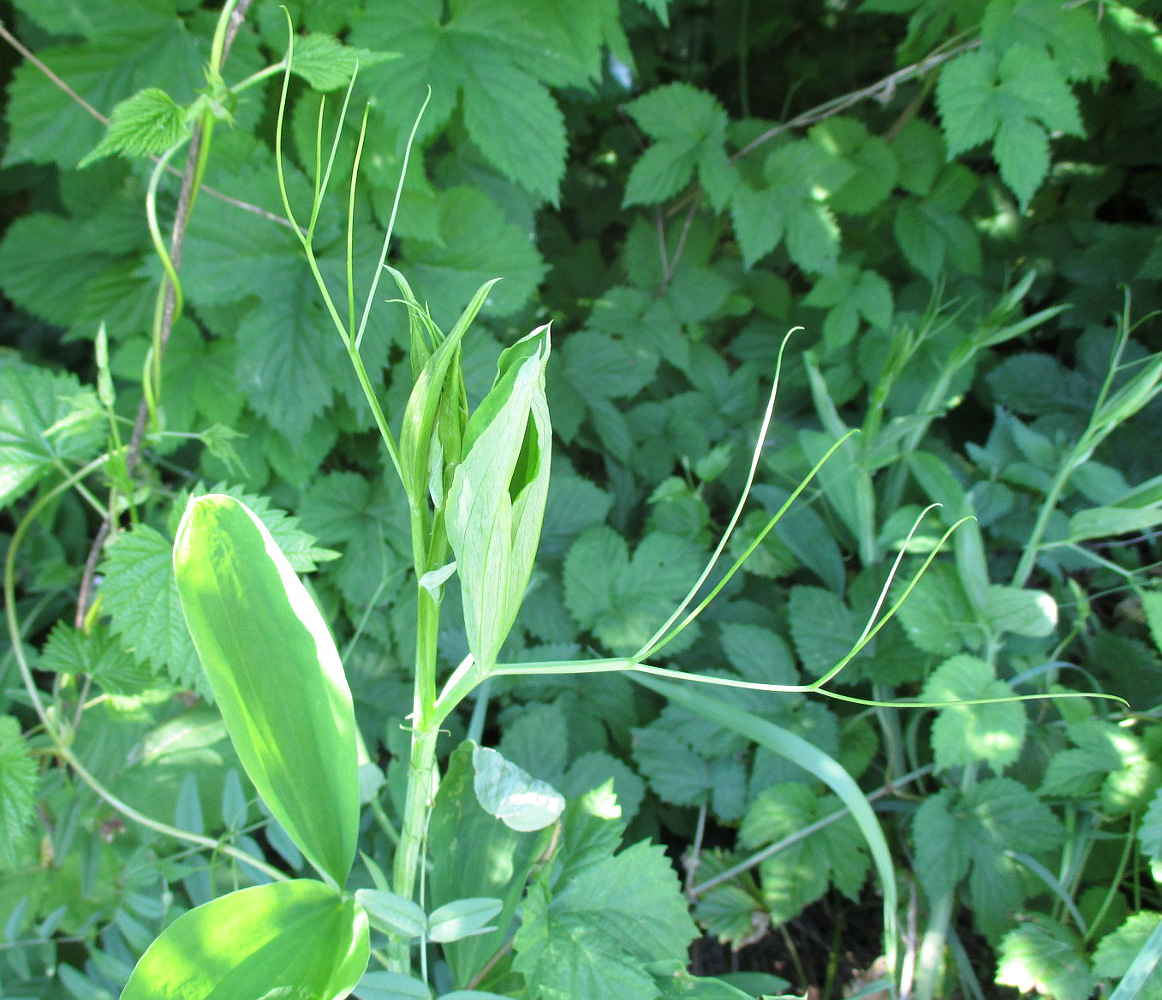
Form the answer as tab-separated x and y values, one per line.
932	947
1049	505
405	866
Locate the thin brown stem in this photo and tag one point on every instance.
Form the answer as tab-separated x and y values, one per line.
40	64
882	90
177	243
28	54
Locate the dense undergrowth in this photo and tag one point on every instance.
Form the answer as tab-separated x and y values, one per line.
957	201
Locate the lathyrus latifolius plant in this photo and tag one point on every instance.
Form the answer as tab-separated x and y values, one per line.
524	893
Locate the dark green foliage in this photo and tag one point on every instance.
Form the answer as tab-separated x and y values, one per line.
957	201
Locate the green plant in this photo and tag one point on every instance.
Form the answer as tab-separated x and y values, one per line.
754	200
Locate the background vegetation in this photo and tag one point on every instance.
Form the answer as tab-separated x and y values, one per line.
956	199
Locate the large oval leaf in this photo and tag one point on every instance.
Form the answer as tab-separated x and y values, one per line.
276	675
300	937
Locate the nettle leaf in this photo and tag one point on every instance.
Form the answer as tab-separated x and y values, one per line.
140	595
792	206
477	245
1036	384
963	734
1071	35
146	124
1045	956
96	653
678	774
46	419
592	937
1133	39
873	161
136	50
18	785
361	517
622	600
98	20
823	627
920	155
327	64
688	127
474	54
1030	613
574	504
1115	953
1015	100
937	616
849	294
799	875
970	833
1104	757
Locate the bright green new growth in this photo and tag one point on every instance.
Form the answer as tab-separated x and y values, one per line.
476	485
497	499
276	676
301	937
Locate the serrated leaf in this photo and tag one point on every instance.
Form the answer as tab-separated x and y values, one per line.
68	650
1133	39
477	244
937	617
801	873
689	127
1047	957
969	833
591	938
140	595
34	404
574	504
822	626
964	734
1015	100
623	600
873	163
597	363
792	207
48	126
298	937
18	785
327	64
146	124
676	772
1071	35
594	770
1115	952
932	236
481	52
